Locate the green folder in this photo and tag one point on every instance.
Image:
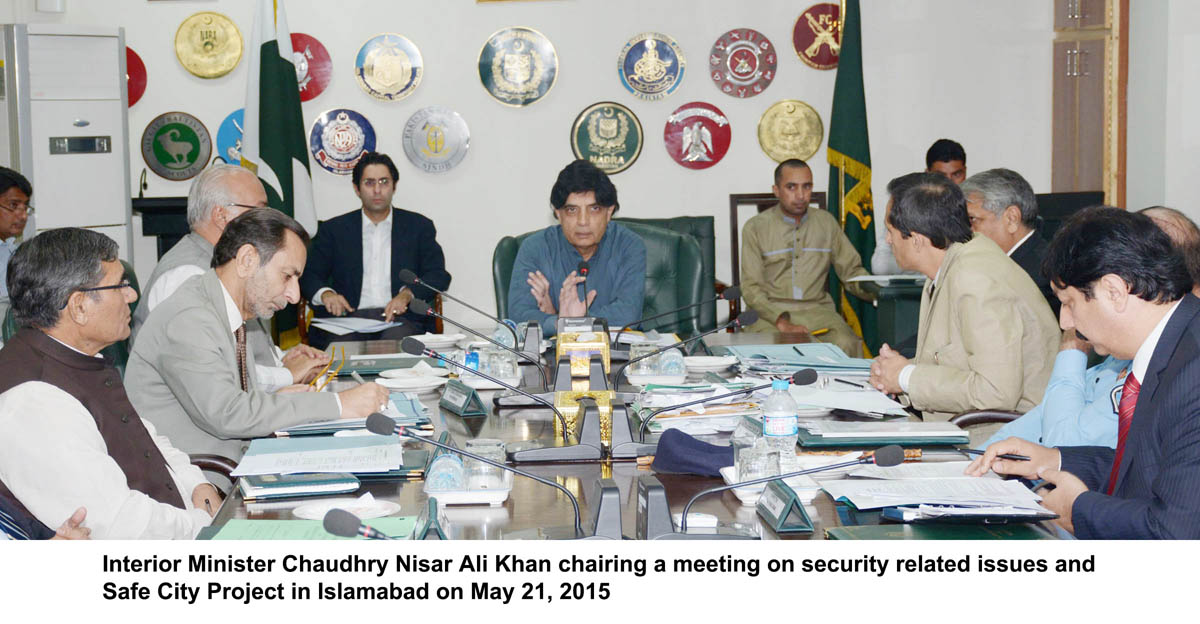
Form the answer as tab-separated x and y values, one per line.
376	365
815	441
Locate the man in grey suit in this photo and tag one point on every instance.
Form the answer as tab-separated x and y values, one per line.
190	372
218	195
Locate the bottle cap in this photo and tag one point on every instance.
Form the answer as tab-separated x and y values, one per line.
779	384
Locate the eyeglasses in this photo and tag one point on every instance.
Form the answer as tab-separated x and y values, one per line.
121	284
372	182
18	207
246	206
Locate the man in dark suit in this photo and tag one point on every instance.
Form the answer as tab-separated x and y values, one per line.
1124	287
355	260
1001	205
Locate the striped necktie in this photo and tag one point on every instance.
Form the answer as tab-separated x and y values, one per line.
9	526
240	334
1129	393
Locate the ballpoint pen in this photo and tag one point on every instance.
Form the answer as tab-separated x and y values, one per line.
1012	456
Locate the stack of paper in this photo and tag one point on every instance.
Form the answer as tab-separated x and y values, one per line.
786	359
838	433
269	487
917	470
321	454
969	494
633	336
402	407
342	325
836	396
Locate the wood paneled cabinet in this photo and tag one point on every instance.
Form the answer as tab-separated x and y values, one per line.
1073	14
1079	116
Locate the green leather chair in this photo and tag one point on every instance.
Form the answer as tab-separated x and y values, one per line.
118	351
674	275
700	228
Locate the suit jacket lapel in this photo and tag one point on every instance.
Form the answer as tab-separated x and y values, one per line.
925	319
215	299
396	264
352	259
1164	351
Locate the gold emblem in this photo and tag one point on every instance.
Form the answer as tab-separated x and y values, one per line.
607	130
790	129
514	70
435	141
387	66
208	45
650	68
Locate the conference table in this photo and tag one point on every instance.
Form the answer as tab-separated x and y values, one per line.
534	510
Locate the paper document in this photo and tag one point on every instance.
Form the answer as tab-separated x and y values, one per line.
321	454
876	493
888	429
343	325
833	397
917	470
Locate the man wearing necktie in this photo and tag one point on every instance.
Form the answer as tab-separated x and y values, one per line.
190	372
1124	286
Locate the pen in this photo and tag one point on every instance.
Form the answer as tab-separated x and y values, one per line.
823	330
357	377
798	351
1002	456
208	506
850	383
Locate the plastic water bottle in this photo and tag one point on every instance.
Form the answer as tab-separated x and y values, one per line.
503	336
781	424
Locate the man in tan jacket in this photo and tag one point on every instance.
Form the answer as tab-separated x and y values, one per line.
986	339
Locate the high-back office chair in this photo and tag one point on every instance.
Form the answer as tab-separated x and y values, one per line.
760	202
118	351
674	275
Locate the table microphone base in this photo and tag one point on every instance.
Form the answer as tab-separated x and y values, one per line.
589	447
623	444
654	520
606	518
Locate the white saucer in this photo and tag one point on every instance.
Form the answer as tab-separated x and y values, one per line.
662	380
408	373
709	363
439	341
364	511
413	384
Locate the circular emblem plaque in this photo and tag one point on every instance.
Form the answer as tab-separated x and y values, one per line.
208	45
608	135
135	76
338	139
389	67
313	67
790	129
651	66
518	66
742	62
697	135
229	138
436	139
817	36
176	146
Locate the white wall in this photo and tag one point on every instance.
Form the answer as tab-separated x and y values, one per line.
974	70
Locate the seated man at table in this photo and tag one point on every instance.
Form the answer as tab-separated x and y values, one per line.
986	338
15	192
356	258
189	371
1124	286
786	255
947	157
68	433
584	202
220	193
1001	205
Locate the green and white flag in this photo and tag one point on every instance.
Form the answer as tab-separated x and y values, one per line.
273	143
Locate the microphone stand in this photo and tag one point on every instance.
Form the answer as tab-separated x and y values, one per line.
647	419
410	279
730	293
617	373
428	311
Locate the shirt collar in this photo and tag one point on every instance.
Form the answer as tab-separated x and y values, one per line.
231	309
791	220
369	225
1141	361
72	348
1020	242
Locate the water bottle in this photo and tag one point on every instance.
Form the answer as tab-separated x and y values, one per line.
503	336
781	424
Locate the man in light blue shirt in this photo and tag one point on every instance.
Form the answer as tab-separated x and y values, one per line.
15	192
1080	406
584	201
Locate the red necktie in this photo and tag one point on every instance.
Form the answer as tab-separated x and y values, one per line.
1129	393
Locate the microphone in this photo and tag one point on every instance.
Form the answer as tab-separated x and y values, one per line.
410	279
801	377
412	346
382	425
749	317
582	269
342	523
422	308
733	293
886	456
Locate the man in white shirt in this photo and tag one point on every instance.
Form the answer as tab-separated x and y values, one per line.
1001	205
68	433
219	194
15	192
355	259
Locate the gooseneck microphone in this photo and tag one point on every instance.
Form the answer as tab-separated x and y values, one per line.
342	523
420	307
582	270
410	279
745	319
733	293
412	346
885	456
801	377
382	425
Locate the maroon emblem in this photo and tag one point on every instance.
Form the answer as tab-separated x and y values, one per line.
697	135
313	67
742	62
817	35
135	75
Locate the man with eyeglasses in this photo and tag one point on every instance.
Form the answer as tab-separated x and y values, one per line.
69	435
15	192
355	260
218	195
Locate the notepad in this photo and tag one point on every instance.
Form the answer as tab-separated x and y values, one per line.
321	454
